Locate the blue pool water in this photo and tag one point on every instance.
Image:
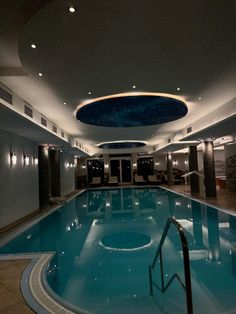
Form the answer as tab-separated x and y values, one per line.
105	239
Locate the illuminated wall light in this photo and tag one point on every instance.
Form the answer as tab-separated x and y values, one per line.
156	163
177	203
186	162
178	88
72	9
26	160
134	164
106	165
67	165
175	163
36	160
33	46
134	86
71	165
136	203
40	74
13	159
108	204
83	166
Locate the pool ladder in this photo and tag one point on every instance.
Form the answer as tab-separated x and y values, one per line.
164	286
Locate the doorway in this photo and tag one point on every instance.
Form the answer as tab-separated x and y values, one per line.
121	168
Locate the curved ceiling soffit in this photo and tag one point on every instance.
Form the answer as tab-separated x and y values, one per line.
18	21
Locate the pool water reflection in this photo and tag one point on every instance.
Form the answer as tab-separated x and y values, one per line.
102	280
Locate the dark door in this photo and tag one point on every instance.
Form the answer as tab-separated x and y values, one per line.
115	168
126	170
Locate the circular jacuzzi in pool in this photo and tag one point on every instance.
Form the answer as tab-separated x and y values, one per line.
126	241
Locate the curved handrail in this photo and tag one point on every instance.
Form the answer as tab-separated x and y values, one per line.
187	285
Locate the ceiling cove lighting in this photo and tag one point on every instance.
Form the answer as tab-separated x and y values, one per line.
121	144
72	9
26	160
33	46
133	109
13	159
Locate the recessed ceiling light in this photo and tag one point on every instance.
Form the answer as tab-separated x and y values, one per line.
72	9
199	98
178	88
40	74
134	86
89	93
33	46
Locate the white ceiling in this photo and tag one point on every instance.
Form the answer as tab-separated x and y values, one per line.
106	47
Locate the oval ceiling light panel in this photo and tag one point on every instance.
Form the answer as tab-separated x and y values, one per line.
121	144
131	110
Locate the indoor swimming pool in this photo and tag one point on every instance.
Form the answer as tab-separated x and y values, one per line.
105	239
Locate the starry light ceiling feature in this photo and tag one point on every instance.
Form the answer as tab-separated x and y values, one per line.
120	145
130	110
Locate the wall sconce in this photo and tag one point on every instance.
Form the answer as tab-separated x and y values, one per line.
157	163
134	164
83	166
67	165
26	160
13	159
106	165
71	165
175	163
36	160
185	162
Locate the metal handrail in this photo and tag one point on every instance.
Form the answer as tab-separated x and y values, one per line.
187	285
